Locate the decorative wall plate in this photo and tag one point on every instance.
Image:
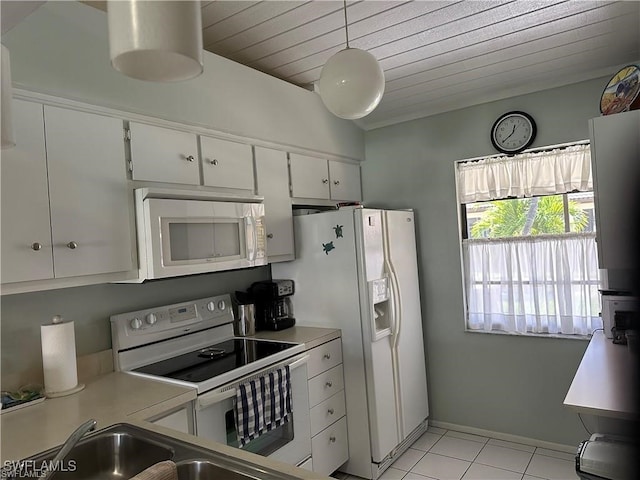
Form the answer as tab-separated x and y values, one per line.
621	91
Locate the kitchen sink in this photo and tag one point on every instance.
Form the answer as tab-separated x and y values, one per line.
106	455
123	450
207	470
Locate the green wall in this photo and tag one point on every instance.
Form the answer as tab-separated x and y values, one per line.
509	384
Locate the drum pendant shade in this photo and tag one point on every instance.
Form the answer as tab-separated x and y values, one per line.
159	41
351	83
8	139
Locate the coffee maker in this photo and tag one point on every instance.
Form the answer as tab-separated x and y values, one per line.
274	310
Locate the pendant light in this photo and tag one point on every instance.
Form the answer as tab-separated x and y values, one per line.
159	41
351	82
8	139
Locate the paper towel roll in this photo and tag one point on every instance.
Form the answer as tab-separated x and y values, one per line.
59	358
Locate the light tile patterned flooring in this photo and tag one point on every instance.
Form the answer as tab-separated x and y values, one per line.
449	455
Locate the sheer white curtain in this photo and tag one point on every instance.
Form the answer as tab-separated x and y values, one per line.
542	284
526	174
530	284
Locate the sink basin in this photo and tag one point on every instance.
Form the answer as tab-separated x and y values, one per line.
206	470
108	455
123	450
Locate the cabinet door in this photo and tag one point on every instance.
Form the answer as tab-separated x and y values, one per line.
26	232
90	216
345	181
273	185
164	155
615	150
309	176
226	164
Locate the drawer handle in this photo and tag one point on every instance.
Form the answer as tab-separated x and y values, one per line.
327	356
330	411
35	246
72	245
325	180
336	182
269	235
328	384
190	158
213	162
332	439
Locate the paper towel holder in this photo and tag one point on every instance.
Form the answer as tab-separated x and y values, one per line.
57	319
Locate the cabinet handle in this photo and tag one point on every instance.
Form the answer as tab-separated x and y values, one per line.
328	384
332	439
330	411
269	235
336	182
327	356
36	246
190	158
325	180
72	245
213	162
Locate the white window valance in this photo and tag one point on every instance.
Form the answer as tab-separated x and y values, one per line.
526	175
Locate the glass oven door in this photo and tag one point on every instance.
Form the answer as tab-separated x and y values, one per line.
290	443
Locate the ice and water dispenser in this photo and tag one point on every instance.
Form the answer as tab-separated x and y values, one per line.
379	291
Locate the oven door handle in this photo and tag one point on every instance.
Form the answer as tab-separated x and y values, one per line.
300	361
209	399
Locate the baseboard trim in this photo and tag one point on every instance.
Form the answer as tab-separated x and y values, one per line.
504	436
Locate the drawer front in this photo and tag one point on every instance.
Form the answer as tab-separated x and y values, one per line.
327	412
324	357
330	449
325	385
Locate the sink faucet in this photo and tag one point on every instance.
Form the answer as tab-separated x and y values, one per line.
74	438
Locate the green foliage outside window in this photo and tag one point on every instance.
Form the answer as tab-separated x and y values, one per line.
529	216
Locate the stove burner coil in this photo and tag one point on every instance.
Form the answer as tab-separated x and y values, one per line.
212	352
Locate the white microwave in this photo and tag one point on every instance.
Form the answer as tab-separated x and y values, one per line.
183	235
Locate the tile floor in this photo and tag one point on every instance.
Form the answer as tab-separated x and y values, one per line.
450	455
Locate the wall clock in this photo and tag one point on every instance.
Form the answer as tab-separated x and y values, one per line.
513	132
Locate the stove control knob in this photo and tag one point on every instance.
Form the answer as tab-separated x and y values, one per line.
211	306
221	305
136	323
151	319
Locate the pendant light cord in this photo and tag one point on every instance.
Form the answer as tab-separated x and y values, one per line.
346	29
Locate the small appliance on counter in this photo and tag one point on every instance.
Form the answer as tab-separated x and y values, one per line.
620	313
274	310
244	323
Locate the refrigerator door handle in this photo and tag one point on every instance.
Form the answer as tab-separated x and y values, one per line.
397	322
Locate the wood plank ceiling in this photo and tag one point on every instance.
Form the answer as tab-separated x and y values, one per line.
436	55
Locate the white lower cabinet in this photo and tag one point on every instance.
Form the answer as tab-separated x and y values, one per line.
65	203
329	441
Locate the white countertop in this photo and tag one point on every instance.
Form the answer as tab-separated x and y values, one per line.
122	398
604	384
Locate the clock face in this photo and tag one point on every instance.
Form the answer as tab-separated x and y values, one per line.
513	132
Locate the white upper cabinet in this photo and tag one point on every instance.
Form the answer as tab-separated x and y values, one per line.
309	176
313	177
615	152
161	154
273	185
90	215
65	203
26	230
226	164
344	180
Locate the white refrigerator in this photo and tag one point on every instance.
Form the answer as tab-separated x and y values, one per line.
356	270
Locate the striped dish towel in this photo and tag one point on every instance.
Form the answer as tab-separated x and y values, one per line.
263	404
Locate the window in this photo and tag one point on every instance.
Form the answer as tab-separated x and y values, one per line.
528	243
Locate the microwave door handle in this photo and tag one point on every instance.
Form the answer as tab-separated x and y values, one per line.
253	250
208	399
